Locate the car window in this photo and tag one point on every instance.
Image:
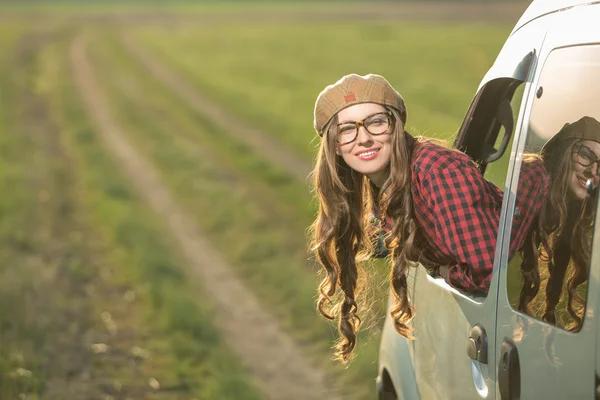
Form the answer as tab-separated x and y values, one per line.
488	128
557	191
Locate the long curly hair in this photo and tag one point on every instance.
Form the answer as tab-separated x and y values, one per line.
561	234
342	234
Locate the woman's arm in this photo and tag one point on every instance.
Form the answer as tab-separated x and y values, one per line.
465	211
462	216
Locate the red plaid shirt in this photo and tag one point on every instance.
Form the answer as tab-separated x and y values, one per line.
458	211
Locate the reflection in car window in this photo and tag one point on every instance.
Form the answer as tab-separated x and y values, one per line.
548	278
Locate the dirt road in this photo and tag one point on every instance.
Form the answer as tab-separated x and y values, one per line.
259	141
275	362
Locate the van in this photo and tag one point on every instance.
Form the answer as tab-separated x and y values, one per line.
546	75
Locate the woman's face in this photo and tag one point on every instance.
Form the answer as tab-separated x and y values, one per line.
584	167
369	153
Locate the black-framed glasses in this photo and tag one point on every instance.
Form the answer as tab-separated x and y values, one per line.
586	156
376	124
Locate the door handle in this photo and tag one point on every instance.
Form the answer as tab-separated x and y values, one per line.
504	115
509	371
477	346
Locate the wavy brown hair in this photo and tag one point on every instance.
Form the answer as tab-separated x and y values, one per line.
342	234
561	234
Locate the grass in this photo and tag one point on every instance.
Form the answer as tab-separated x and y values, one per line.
200	7
271	73
17	222
188	6
99	305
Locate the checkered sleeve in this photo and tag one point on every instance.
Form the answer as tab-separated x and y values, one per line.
533	187
465	220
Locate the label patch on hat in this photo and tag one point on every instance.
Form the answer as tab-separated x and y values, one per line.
350	97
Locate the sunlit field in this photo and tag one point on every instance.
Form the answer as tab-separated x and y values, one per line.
94	301
270	73
95	296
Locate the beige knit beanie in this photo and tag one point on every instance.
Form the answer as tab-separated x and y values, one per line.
354	89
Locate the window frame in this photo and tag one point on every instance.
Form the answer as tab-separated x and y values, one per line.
515	172
489	111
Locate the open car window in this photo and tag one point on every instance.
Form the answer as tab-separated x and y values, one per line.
488	128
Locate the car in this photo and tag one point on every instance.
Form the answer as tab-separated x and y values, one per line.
546	75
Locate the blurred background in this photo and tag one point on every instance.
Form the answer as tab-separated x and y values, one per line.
154	200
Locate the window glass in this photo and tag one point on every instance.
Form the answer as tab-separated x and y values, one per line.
554	212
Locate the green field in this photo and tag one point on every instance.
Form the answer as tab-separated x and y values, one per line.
82	249
271	73
94	300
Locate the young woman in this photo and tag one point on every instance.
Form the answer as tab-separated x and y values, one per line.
562	233
438	208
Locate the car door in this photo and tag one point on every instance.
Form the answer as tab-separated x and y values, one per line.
542	349
448	321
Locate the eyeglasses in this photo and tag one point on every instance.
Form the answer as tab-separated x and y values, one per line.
586	156
376	124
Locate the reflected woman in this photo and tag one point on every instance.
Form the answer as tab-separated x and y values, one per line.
562	233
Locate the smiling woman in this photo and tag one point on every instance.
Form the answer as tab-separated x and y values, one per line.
561	235
369	153
433	203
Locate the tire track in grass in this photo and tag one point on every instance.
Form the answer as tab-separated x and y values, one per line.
67	330
242	177
279	367
262	143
